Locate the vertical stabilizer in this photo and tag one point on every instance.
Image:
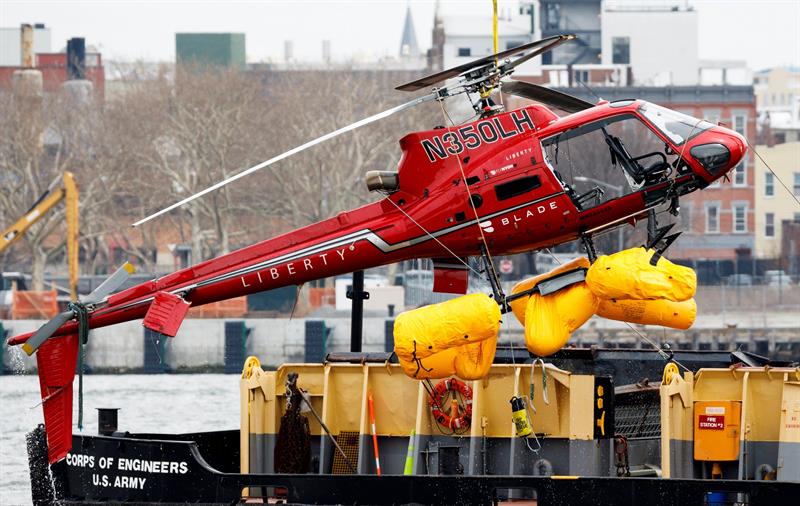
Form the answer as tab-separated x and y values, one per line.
56	361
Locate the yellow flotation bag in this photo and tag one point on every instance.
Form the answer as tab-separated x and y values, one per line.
676	315
629	275
458	337
550	319
468	362
518	306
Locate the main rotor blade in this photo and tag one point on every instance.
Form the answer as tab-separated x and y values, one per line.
45	331
111	283
536	47
546	96
294	151
560	39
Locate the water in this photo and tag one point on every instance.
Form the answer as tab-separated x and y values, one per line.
149	403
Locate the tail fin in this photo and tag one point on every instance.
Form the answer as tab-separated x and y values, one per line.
56	361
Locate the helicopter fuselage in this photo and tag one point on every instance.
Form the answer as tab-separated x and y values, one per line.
488	182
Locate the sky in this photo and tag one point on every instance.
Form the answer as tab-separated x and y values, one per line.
765	33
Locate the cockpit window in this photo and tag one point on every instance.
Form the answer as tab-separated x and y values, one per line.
676	126
608	158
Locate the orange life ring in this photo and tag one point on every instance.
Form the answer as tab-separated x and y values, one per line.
453	420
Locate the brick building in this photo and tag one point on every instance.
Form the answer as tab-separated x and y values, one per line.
54	72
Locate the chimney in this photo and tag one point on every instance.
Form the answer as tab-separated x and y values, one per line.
76	86
27	58
326	52
767	130
76	58
288	51
27	81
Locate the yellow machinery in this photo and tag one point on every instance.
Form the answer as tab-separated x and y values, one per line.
68	192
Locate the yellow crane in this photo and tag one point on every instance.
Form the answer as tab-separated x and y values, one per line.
68	192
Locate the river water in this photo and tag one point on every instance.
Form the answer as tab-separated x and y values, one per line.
168	403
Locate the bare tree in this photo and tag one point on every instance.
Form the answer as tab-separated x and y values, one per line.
41	137
198	129
162	136
327	179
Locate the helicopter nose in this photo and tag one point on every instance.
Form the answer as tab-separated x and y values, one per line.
719	151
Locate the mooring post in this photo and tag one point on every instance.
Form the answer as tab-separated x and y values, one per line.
357	295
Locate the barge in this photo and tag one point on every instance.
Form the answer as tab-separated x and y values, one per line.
607	427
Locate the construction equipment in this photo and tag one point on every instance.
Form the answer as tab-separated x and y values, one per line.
68	192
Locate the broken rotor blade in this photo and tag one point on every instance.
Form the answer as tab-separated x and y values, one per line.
294	151
101	292
110	284
45	331
537	47
546	96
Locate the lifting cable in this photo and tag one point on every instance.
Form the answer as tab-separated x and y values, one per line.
469	196
415	222
790	192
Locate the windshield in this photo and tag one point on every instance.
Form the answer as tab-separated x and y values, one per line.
608	158
676	126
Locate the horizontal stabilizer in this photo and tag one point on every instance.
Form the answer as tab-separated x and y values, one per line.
450	276
166	313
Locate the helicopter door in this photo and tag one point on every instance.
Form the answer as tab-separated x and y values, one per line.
607	159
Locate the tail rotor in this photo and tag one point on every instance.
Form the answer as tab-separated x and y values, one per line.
57	359
105	289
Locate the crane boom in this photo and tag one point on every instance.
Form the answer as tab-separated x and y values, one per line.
68	191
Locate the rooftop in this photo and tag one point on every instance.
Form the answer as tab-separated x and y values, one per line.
671	94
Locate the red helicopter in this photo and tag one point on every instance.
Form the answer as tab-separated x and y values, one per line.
508	182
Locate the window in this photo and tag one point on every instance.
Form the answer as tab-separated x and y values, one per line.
769	225
464	51
796	218
739	123
678	127
516	187
620	50
739	218
712	217
552	16
686	217
740	174
769	184
712	116
581	158
796	186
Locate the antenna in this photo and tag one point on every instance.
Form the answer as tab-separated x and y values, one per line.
589	89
